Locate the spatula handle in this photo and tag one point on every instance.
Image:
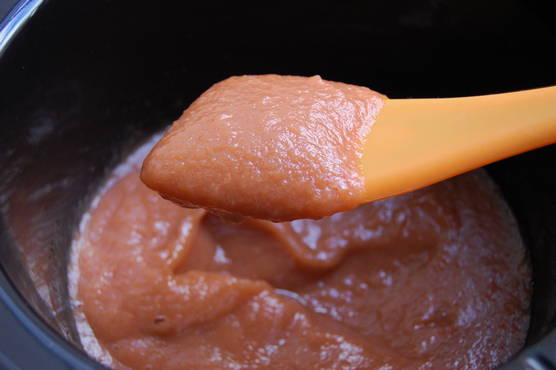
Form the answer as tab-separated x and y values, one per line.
417	142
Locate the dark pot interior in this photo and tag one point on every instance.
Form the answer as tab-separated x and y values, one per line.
84	83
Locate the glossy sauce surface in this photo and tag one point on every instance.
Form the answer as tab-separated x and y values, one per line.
433	279
279	148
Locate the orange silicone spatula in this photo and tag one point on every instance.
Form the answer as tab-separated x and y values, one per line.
417	142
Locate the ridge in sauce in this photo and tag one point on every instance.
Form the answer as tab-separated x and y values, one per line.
279	147
434	279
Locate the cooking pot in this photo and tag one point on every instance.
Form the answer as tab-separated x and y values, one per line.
82	83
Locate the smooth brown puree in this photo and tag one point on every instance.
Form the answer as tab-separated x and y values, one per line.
279	148
432	279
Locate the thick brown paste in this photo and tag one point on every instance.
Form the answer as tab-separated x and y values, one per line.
433	279
278	148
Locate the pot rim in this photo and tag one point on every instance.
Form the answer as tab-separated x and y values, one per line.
14	21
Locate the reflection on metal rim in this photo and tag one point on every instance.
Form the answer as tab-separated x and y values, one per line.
15	20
